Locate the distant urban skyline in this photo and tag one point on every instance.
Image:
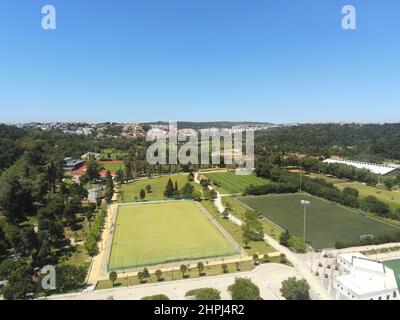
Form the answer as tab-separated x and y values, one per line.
201	60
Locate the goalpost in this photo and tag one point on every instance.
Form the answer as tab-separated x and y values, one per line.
367	237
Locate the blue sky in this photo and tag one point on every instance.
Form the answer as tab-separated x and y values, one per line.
200	60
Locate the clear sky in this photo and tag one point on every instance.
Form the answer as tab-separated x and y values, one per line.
200	60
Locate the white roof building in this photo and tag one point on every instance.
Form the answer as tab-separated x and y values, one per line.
381	169
366	279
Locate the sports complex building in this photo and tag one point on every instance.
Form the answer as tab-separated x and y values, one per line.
386	170
365	279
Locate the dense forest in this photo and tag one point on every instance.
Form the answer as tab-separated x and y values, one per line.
369	142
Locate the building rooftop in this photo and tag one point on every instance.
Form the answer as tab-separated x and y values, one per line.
366	276
381	169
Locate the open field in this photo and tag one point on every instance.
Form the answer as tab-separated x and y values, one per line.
239	210
259	247
326	222
330	179
395	266
229	182
392	198
112	154
150	234
131	191
112	165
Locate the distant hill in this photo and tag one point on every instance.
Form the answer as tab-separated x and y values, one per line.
216	124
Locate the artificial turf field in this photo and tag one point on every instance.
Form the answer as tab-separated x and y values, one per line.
326	222
150	234
229	182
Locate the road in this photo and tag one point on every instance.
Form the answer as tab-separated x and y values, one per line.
268	277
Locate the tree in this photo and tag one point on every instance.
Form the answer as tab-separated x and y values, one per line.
146	272
148	188
176	186
142	194
284	238
255	258
140	276
200	267
225	214
205	294
293	289
120	176
169	189
351	191
16	200
244	289
297	244
159	274
190	176
246	241
70	278
113	276
109	187
92	170
196	195
187	191
183	268
224	267
266	258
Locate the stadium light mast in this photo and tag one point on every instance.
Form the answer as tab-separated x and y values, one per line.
305	204
301	176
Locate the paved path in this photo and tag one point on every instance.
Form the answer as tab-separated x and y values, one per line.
267	276
317	290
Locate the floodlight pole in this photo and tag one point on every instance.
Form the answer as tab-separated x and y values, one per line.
301	176
305	203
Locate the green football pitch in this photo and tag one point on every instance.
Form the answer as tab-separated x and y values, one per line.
151	234
326	223
229	182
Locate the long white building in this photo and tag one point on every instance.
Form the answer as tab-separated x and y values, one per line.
365	279
381	169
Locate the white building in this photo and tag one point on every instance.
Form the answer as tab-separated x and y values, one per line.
365	279
381	169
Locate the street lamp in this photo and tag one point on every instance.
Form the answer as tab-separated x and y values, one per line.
305	203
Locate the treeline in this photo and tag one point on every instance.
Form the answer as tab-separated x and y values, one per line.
284	182
387	238
338	170
372	142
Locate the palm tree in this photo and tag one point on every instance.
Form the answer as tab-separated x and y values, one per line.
158	274
200	267
183	269
140	276
113	276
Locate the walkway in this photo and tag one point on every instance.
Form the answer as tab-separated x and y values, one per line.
268	277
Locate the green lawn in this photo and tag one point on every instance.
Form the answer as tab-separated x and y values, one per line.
392	198
239	210
330	179
149	234
395	266
326	222
132	190
259	247
112	166
113	153
229	182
